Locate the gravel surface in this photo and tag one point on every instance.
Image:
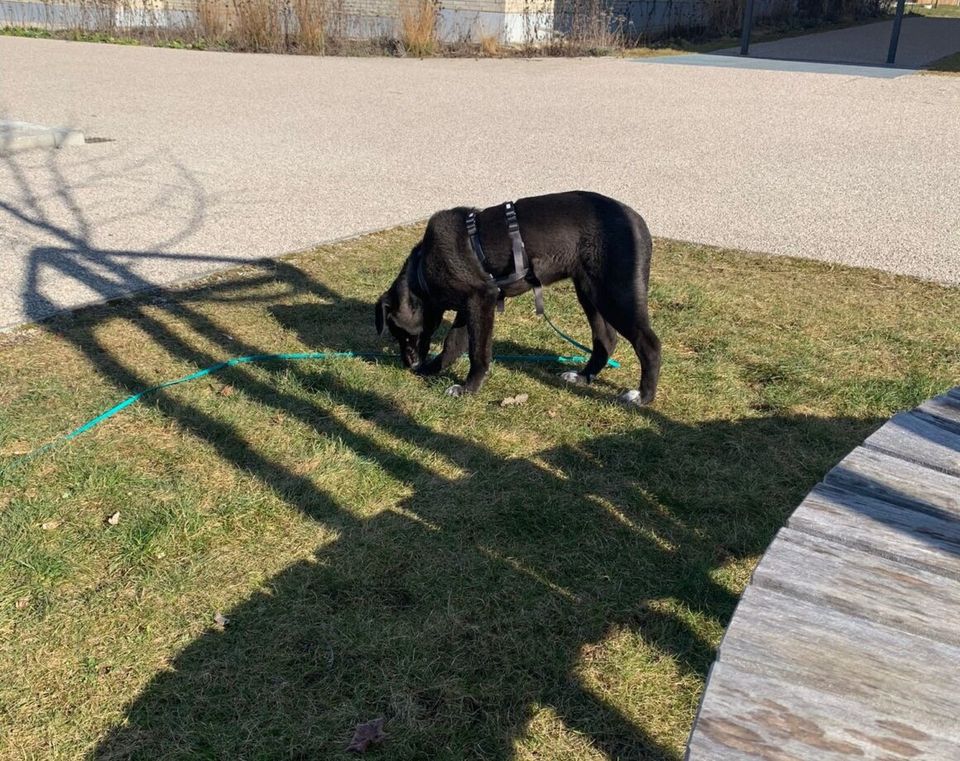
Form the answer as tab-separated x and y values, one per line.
210	159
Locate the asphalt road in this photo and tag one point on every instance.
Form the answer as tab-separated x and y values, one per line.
210	159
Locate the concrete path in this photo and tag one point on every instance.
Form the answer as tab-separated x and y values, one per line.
923	40
209	159
723	60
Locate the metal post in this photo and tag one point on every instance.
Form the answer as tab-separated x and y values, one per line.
747	27
895	35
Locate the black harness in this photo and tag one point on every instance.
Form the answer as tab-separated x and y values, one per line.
521	264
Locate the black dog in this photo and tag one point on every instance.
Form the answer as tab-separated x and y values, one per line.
602	244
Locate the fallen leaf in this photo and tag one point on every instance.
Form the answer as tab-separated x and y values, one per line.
220	620
50	525
226	391
114	519
22	603
511	401
366	734
551	413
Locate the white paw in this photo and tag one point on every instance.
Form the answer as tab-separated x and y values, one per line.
571	376
630	397
455	390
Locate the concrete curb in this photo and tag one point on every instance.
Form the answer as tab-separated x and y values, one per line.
21	136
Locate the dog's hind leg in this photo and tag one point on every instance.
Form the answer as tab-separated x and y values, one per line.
647	346
604	340
626	311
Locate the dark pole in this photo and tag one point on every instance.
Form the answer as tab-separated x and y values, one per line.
895	36
748	26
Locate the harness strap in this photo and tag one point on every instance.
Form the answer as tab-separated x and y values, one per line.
475	241
481	257
521	263
417	266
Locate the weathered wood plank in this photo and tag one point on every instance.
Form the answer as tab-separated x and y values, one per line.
898	481
862	584
797	642
745	716
846	642
917	439
945	409
920	540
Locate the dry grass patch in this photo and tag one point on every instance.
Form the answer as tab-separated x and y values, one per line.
418	27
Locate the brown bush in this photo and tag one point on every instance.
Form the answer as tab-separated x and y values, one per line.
418	26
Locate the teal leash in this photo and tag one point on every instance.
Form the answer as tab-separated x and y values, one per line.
93	422
568	339
283	357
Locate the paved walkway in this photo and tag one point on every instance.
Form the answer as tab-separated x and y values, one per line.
212	158
922	41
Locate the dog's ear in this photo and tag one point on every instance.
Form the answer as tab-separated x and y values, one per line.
380	314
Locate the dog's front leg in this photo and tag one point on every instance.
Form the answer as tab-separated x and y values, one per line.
454	345
431	321
480	313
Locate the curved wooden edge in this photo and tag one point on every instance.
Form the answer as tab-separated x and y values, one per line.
846	642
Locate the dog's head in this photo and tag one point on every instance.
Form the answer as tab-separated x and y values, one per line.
400	311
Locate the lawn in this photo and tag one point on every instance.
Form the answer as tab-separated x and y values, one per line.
947	65
941	11
545	581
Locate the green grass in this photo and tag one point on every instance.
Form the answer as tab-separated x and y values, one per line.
150	37
941	11
948	65
539	582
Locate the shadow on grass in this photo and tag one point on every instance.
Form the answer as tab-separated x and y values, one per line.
463	611
458	612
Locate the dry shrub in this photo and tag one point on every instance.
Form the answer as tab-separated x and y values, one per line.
589	26
213	19
257	25
418	26
310	20
303	26
100	14
725	17
490	44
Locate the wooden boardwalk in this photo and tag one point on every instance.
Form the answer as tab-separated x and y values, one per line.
846	643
